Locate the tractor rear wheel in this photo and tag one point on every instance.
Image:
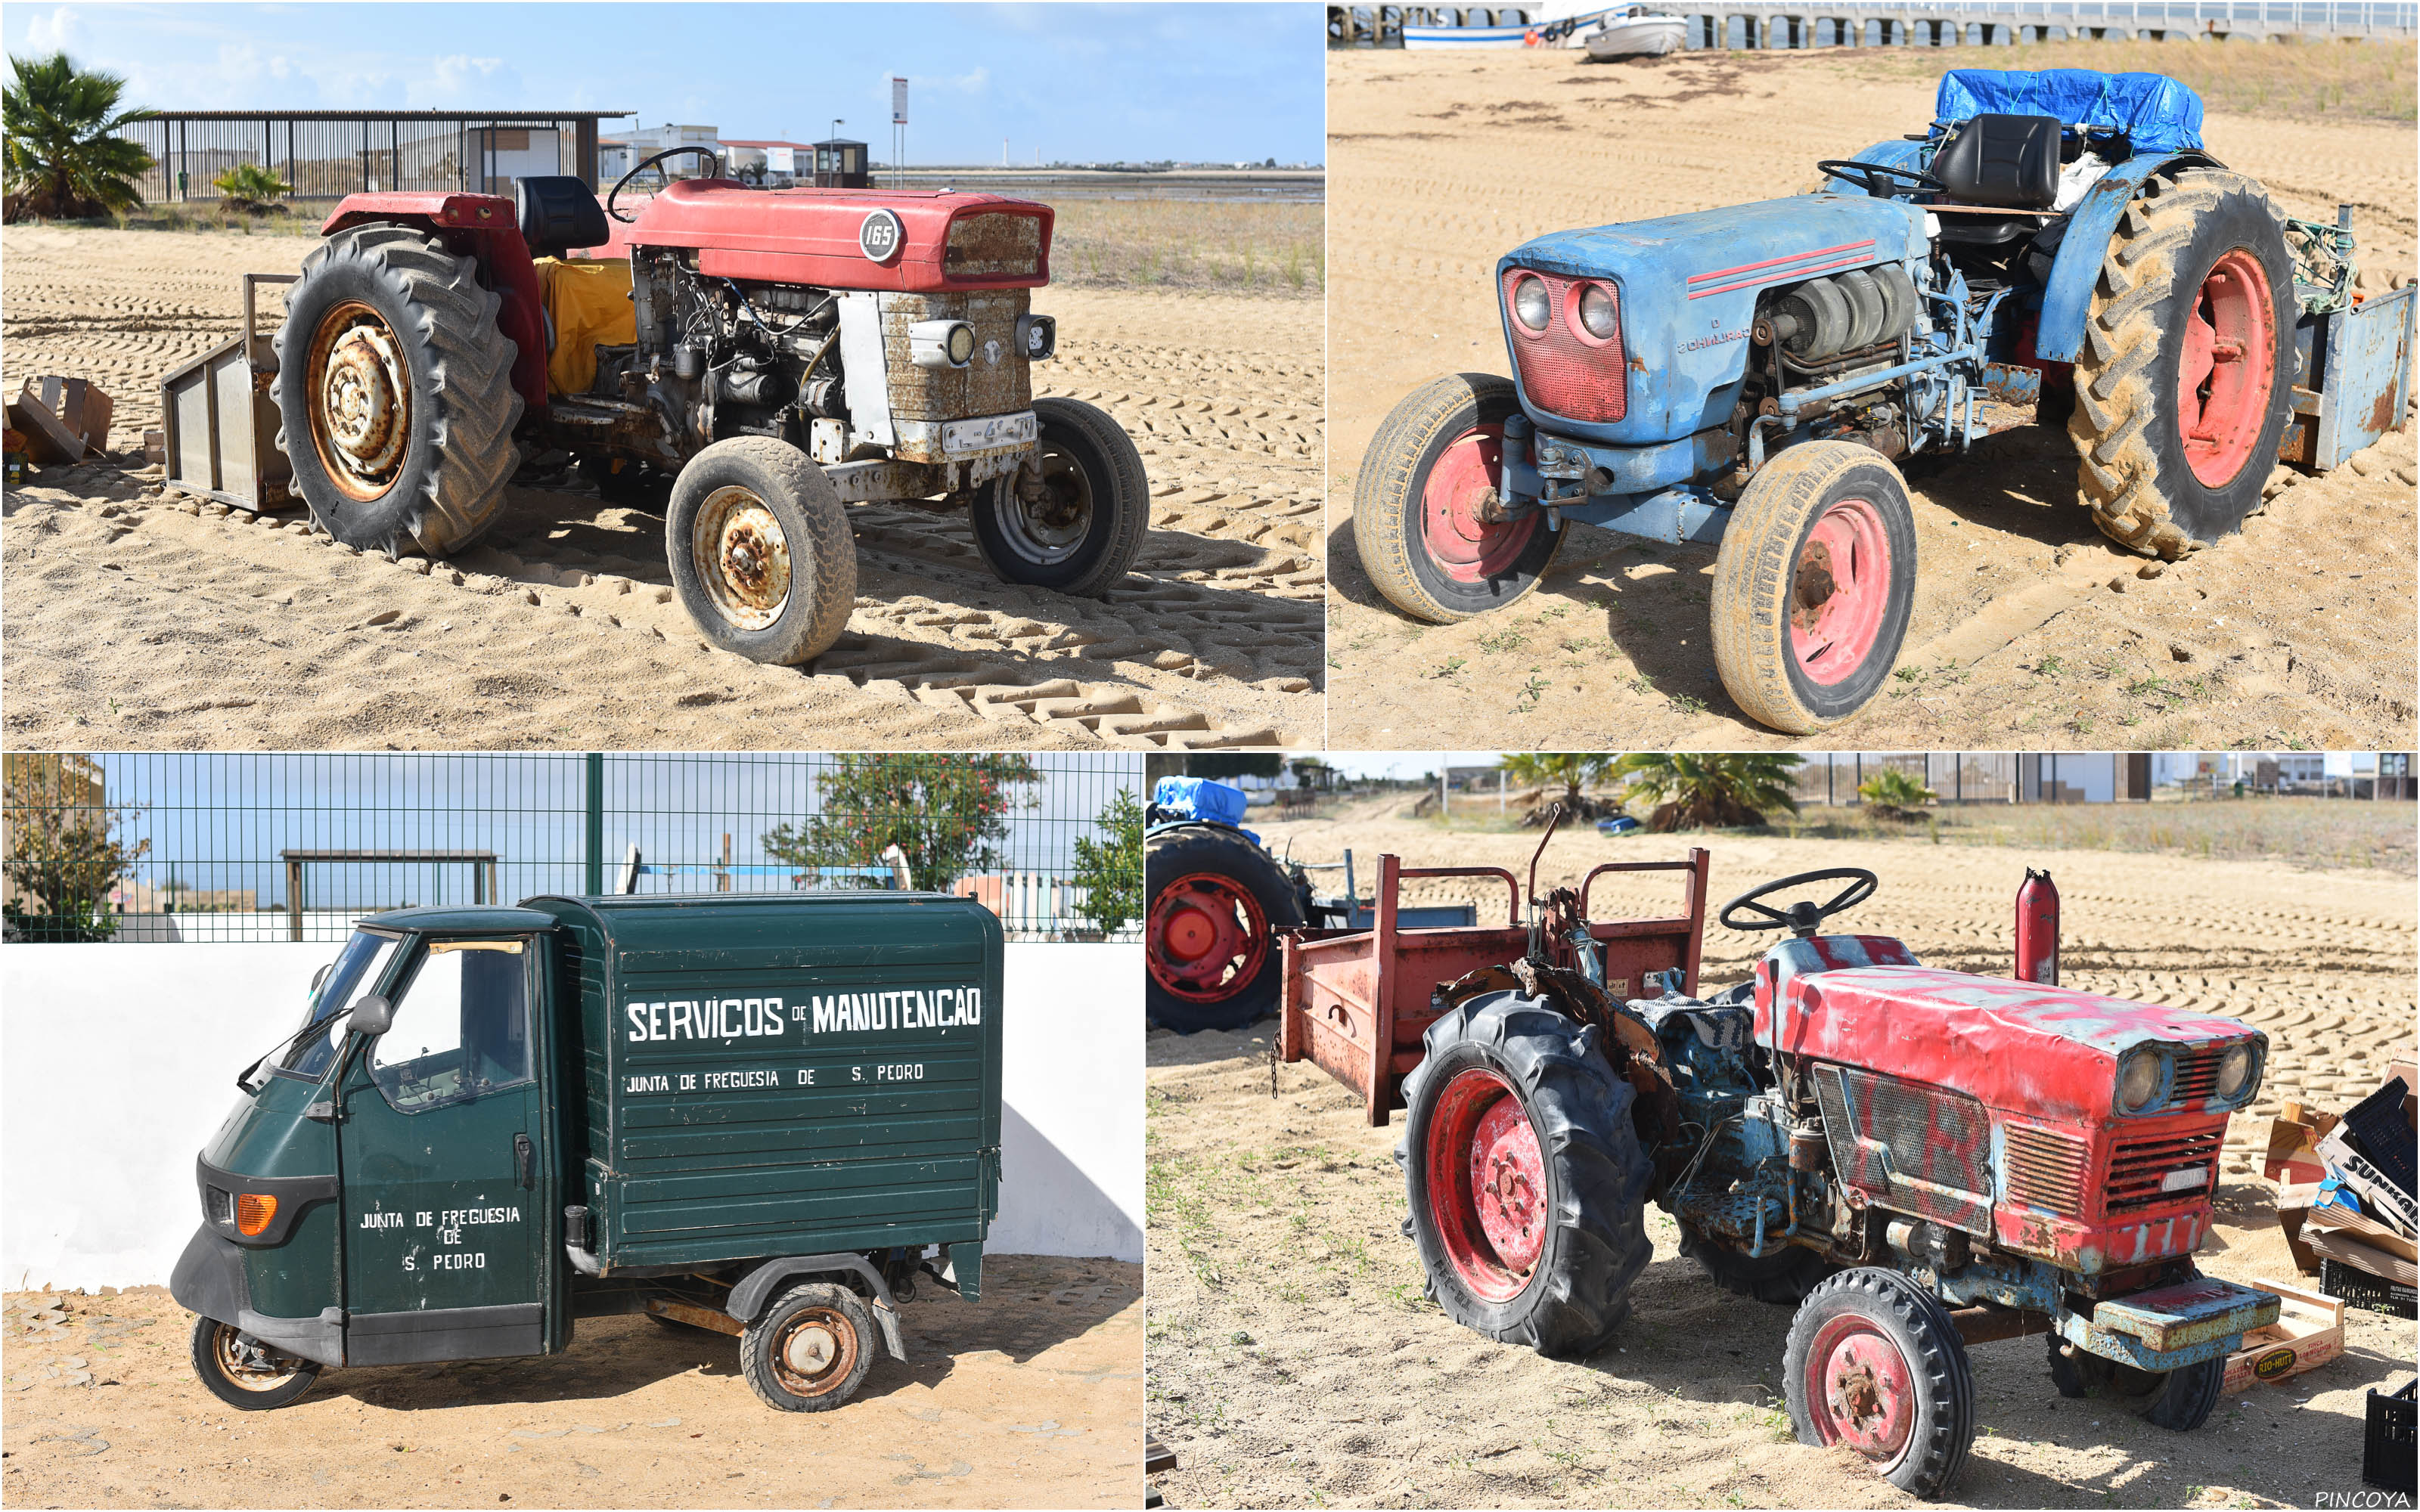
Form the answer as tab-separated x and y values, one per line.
245	1373
1436	462
2186	373
395	392
1209	932
1082	535
1783	1277
2180	1400
1874	1362
1814	586
1527	1184
760	550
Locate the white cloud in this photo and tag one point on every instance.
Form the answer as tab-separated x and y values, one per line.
61	31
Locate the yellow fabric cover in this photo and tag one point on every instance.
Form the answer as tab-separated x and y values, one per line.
589	301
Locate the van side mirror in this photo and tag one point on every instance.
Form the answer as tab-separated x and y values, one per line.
371	1014
321	974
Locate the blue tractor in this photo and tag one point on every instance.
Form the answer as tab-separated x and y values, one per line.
1750	377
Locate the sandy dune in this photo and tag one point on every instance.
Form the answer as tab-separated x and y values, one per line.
1294	1362
2029	629
135	620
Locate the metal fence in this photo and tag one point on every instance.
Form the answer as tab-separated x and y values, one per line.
283	847
327	154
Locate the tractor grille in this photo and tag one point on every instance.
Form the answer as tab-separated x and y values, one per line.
1561	371
2046	1170
1929	1136
2196	1077
2138	1167
993	244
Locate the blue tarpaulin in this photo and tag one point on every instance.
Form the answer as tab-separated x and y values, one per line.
1197	797
2158	114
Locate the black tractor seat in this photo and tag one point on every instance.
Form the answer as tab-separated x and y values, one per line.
2006	162
559	214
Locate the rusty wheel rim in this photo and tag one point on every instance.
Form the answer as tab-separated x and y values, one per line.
1860	1389
815	1351
1048	531
358	384
248	1364
742	557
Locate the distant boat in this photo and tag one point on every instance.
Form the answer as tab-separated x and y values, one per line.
1638	32
1561	26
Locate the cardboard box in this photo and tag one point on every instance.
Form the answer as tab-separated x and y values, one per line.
2294	1139
62	418
2293	1208
2308	1332
2340	1244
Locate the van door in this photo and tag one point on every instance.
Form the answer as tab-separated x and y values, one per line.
447	1170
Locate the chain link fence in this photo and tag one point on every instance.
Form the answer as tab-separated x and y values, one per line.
169	847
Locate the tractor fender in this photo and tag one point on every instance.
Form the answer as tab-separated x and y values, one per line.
483	227
748	1298
2067	298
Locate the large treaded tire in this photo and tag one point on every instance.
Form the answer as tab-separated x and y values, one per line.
1806	498
1942	1384
449	486
1390	504
1183	851
1596	1175
813	525
2180	1400
1120	494
1783	1278
2126	427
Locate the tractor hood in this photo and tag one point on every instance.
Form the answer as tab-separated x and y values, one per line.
1687	286
2048	1051
889	239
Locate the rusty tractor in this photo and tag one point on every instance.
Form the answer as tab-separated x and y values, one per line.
1919	1161
776	355
1748	377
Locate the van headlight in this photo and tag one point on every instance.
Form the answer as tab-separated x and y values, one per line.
935	344
2142	1076
2237	1070
1530	306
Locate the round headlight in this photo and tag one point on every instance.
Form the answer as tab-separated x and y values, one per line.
962	344
1531	304
1596	312
2235	1072
2139	1079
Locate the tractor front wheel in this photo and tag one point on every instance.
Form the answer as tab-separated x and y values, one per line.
1526	1186
2180	1400
245	1373
2186	373
1875	1363
1814	586
1210	946
1419	505
395	392
760	550
1080	531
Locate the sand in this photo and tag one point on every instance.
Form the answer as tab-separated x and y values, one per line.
1294	1362
135	620
2029	628
1031	1397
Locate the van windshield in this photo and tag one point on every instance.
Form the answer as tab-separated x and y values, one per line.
357	969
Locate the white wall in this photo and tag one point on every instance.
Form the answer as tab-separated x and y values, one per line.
118	1061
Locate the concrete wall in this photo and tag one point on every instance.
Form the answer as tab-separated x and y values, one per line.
118	1061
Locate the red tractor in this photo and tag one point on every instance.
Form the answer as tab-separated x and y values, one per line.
1919	1161
778	354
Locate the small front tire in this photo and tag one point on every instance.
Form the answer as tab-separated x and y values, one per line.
1082	535
245	1373
811	1350
1436	458
1875	1363
2180	1400
760	550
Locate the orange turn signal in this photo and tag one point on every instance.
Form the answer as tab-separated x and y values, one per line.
252	1210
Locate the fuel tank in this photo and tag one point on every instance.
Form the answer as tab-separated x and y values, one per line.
903	240
1686	286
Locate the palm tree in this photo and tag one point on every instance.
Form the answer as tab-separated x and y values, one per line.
63	161
1891	793
1692	792
1575	771
248	186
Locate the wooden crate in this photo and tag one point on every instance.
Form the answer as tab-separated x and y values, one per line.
2308	1332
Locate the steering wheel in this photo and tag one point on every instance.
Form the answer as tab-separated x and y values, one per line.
1799	919
1872	176
623	183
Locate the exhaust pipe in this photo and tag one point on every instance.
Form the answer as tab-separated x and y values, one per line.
2038	928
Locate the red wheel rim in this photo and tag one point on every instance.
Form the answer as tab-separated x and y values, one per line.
1464	546
1486	1181
1840	592
1206	937
1859	1389
2223	378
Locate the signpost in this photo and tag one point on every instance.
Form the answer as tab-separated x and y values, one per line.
898	132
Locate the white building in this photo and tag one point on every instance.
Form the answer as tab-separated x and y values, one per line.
616	154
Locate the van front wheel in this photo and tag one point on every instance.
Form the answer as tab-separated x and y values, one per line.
245	1373
811	1350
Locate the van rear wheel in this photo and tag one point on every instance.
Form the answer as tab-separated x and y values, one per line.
245	1373
811	1350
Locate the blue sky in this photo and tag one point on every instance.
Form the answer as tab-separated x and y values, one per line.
1075	81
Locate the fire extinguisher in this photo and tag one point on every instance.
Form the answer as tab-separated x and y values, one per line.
2037	930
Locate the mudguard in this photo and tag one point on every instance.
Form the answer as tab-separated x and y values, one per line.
210	1280
755	1290
2067	298
483	226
